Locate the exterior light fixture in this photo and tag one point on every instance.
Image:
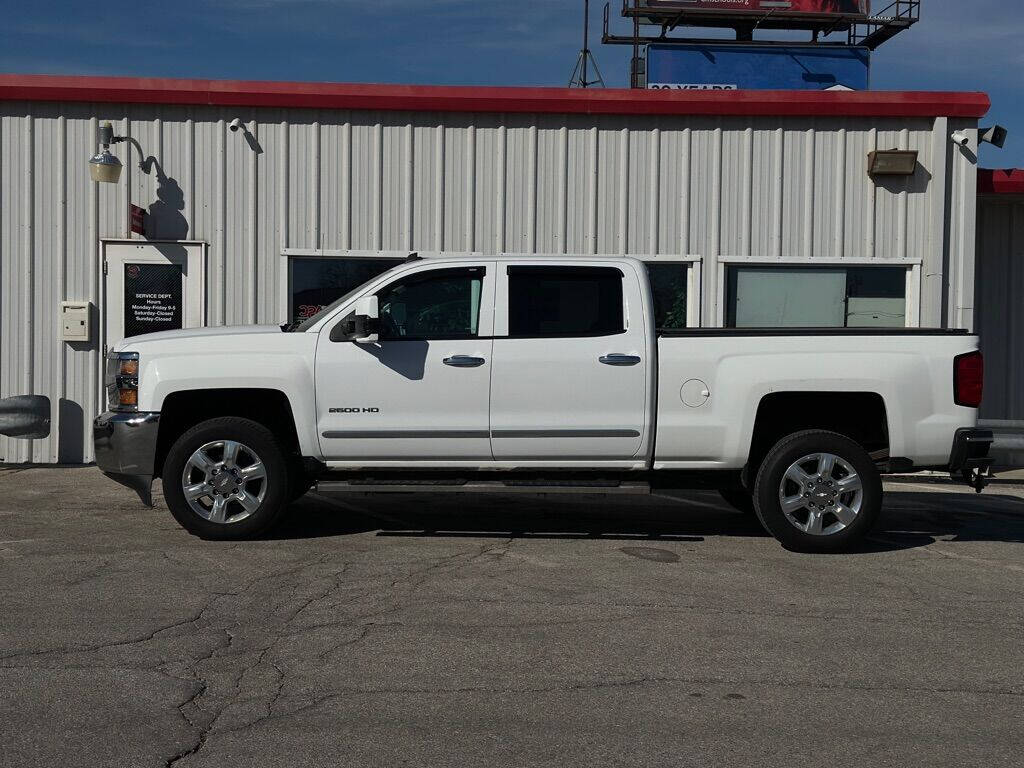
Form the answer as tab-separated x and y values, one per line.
892	162
104	167
996	136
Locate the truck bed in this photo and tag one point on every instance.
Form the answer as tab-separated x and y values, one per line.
712	382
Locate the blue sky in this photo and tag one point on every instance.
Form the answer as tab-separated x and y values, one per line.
958	45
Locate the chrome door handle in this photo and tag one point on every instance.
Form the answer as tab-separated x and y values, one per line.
464	361
620	359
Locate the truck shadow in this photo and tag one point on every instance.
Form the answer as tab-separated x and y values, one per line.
917	519
909	520
583	516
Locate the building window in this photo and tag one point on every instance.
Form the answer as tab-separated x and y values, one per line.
565	301
315	282
669	286
441	304
817	297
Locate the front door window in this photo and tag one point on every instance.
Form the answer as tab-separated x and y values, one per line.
442	304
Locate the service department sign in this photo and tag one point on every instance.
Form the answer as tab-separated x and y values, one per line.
153	297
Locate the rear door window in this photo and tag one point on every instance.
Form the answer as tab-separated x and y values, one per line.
560	301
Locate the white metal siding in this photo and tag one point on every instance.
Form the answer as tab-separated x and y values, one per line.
767	188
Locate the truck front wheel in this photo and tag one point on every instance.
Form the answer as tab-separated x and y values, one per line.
227	479
818	491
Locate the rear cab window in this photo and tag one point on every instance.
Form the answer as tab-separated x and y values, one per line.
564	301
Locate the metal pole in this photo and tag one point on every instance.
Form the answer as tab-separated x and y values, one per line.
586	39
635	75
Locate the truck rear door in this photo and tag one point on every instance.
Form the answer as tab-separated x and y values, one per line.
570	375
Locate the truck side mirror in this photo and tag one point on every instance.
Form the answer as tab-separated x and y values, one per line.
367	321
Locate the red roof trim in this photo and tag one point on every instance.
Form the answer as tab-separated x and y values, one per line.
1008	182
127	90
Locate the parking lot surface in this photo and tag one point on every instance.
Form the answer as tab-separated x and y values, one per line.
506	631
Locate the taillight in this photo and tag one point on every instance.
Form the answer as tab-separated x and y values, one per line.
968	379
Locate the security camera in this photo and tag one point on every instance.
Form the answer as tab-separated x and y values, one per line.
235	125
961	139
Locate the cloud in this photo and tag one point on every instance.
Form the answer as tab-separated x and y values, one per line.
92	33
55	66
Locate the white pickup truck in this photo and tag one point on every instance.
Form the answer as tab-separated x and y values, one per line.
540	375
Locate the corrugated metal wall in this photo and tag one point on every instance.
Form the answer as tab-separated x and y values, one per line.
718	188
1000	319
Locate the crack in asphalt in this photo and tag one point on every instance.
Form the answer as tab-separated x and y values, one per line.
236	676
203	696
570	687
148	637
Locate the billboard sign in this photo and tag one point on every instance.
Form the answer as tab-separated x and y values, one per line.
775	7
757	67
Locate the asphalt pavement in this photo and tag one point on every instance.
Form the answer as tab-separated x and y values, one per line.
420	630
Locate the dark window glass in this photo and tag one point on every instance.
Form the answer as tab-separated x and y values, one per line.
444	304
668	285
876	297
565	301
317	282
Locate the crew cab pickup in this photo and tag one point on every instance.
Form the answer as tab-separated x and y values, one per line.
540	375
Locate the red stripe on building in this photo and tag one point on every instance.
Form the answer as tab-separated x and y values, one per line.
418	98
1006	182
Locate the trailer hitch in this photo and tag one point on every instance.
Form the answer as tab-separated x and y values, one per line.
977	474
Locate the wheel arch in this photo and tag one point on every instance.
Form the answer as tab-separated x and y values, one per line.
860	416
184	409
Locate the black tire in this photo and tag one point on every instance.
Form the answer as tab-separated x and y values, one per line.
255	437
769	487
739	498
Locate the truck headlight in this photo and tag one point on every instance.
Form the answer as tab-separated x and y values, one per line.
123	381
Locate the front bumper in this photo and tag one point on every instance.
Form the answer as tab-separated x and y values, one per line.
125	445
969	460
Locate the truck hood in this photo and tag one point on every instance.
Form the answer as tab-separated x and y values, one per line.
195	333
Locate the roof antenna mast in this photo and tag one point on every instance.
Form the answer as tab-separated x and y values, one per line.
580	74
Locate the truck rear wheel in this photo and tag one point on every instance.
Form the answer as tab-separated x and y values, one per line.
818	491
227	479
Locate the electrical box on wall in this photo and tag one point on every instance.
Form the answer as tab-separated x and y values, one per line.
75	321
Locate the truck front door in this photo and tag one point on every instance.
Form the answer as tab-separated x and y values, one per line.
571	364
422	392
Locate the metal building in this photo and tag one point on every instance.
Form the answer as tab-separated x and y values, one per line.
741	199
1000	313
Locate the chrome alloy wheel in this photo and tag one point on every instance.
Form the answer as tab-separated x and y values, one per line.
821	494
224	481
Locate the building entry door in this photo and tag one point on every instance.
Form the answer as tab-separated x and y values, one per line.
152	287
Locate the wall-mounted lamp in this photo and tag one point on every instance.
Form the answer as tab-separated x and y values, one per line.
892	162
104	167
996	136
